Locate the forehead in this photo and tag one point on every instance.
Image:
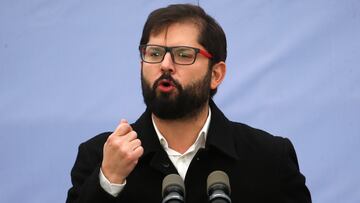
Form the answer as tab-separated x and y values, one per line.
177	34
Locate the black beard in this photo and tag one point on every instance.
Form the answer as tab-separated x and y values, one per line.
187	103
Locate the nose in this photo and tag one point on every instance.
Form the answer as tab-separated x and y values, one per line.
167	65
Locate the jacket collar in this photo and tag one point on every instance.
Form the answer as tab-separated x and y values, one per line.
219	135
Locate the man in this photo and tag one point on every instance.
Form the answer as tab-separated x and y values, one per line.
183	52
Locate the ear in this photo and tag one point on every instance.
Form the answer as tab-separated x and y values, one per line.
217	74
141	66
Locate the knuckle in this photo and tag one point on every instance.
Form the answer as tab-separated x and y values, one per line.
128	156
114	143
123	150
140	151
133	134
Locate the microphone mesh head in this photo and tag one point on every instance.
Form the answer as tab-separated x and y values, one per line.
218	177
173	180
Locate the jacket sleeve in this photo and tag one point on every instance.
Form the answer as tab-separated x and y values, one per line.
292	181
85	179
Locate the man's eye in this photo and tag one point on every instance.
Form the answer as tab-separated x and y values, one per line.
154	53
184	55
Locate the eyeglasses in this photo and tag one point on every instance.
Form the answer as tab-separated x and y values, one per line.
182	55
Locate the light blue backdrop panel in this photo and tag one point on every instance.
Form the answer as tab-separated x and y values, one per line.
70	69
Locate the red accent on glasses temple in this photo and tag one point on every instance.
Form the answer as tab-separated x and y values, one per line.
205	53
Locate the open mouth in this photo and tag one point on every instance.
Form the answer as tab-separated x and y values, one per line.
166	85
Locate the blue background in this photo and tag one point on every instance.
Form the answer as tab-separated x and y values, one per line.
70	69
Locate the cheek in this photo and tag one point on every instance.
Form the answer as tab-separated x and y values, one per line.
147	71
194	76
149	74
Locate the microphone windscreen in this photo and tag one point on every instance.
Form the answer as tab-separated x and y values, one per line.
171	181
218	177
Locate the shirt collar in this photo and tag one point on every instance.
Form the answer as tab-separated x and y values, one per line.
200	140
221	134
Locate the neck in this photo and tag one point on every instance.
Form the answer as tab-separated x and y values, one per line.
182	133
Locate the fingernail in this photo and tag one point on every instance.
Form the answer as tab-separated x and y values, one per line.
123	120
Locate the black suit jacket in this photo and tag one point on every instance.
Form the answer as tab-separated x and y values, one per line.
261	167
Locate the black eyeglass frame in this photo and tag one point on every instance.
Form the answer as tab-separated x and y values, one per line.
169	49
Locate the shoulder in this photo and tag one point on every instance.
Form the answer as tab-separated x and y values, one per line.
100	138
95	143
255	139
90	154
252	133
244	137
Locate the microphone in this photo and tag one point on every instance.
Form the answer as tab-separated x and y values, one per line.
218	187
173	189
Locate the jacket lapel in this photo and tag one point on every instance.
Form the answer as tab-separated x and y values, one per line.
219	134
153	151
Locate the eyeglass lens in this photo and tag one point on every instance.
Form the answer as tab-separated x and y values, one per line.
180	55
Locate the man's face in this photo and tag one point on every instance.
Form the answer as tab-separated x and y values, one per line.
173	91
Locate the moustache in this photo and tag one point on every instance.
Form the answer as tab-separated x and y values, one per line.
169	78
